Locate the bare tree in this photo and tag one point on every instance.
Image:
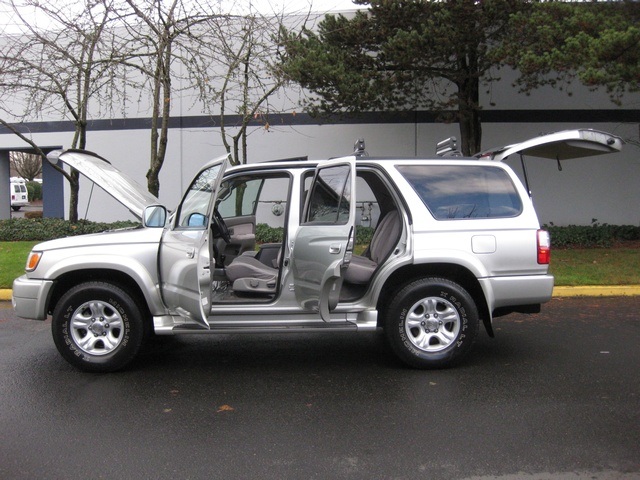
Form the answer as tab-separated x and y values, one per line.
27	165
56	71
161	38
238	73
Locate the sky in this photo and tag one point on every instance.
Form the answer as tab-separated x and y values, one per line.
10	24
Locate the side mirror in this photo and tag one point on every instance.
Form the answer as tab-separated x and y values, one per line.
155	216
197	220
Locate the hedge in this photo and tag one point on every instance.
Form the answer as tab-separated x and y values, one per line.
572	236
267	234
596	235
41	229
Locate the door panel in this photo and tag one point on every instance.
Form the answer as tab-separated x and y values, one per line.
322	247
185	259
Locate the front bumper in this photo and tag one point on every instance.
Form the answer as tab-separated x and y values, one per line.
30	296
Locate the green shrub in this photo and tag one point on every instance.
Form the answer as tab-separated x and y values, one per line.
267	234
35	191
364	235
596	235
41	229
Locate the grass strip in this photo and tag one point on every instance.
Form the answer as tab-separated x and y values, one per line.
13	257
571	267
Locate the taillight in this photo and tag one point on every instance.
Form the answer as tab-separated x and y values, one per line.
544	247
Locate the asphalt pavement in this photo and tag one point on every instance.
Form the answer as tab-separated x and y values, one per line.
553	396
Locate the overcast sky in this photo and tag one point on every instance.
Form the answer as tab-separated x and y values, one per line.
10	24
294	6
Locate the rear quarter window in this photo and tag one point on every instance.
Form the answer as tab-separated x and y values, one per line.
453	192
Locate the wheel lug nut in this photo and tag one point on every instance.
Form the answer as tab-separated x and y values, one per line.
422	323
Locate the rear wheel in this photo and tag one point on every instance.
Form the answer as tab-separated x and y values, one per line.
431	323
97	327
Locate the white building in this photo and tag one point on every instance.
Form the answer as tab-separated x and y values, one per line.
602	188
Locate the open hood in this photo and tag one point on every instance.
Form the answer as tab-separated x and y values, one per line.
558	146
116	183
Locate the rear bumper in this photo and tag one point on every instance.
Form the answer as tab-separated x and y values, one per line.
521	290
29	297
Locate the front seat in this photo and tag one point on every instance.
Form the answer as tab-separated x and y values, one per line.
385	237
249	274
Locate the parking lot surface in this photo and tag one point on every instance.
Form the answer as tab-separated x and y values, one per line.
555	395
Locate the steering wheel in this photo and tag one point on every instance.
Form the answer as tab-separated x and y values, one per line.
221	227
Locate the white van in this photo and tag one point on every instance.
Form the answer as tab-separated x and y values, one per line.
19	194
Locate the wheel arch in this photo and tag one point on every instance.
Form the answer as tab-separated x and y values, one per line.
120	279
456	273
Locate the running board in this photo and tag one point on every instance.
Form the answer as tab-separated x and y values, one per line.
228	329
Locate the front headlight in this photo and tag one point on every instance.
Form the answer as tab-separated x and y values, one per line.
33	260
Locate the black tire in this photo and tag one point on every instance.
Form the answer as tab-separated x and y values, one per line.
431	323
16	209
98	327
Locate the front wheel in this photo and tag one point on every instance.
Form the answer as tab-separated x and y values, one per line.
431	323
97	327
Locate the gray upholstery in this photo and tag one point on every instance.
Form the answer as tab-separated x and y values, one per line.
360	269
384	239
247	266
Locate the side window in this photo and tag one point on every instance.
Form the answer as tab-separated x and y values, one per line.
239	197
452	192
330	198
195	204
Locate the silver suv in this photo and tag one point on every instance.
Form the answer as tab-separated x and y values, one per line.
456	242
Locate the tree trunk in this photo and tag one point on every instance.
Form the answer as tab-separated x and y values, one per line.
74	187
469	116
80	142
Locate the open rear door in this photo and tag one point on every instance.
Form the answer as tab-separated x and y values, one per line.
323	245
559	146
564	145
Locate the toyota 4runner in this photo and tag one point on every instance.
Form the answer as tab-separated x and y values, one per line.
456	242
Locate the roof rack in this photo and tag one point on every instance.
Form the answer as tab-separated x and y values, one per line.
290	159
359	148
448	148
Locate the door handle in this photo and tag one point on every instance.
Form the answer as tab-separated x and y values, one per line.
335	249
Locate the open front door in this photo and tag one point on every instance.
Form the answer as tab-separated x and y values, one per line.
323	245
186	252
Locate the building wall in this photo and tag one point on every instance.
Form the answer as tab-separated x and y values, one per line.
602	188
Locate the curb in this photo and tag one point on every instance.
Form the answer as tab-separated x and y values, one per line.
597	291
583	291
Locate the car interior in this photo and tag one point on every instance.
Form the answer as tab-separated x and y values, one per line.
250	271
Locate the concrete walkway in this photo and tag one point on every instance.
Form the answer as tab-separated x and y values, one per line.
585	291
